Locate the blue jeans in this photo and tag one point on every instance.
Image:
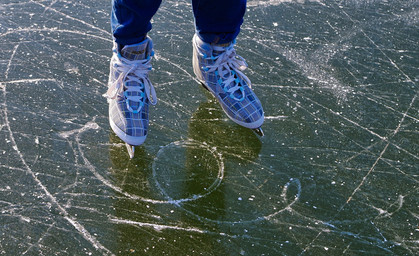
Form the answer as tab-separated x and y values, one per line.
216	21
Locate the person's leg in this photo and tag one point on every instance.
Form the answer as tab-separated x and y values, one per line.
130	20
130	92
216	64
218	21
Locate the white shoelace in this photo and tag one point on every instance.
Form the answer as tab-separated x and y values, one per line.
228	65
132	71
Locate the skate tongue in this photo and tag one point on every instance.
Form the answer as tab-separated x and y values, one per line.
218	49
138	51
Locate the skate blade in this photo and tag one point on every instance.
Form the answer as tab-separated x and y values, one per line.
259	132
131	150
204	86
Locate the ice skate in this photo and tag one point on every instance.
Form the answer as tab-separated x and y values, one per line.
220	70
130	93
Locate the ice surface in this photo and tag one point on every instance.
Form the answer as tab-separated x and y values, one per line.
335	174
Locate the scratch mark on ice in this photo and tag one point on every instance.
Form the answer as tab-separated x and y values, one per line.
9	64
79	227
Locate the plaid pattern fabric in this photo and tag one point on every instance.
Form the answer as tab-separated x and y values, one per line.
129	118
241	105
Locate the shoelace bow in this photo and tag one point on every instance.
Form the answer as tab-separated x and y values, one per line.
228	66
132	71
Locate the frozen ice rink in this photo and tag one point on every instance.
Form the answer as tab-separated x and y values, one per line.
336	173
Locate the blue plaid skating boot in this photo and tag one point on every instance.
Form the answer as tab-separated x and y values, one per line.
219	69
130	92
